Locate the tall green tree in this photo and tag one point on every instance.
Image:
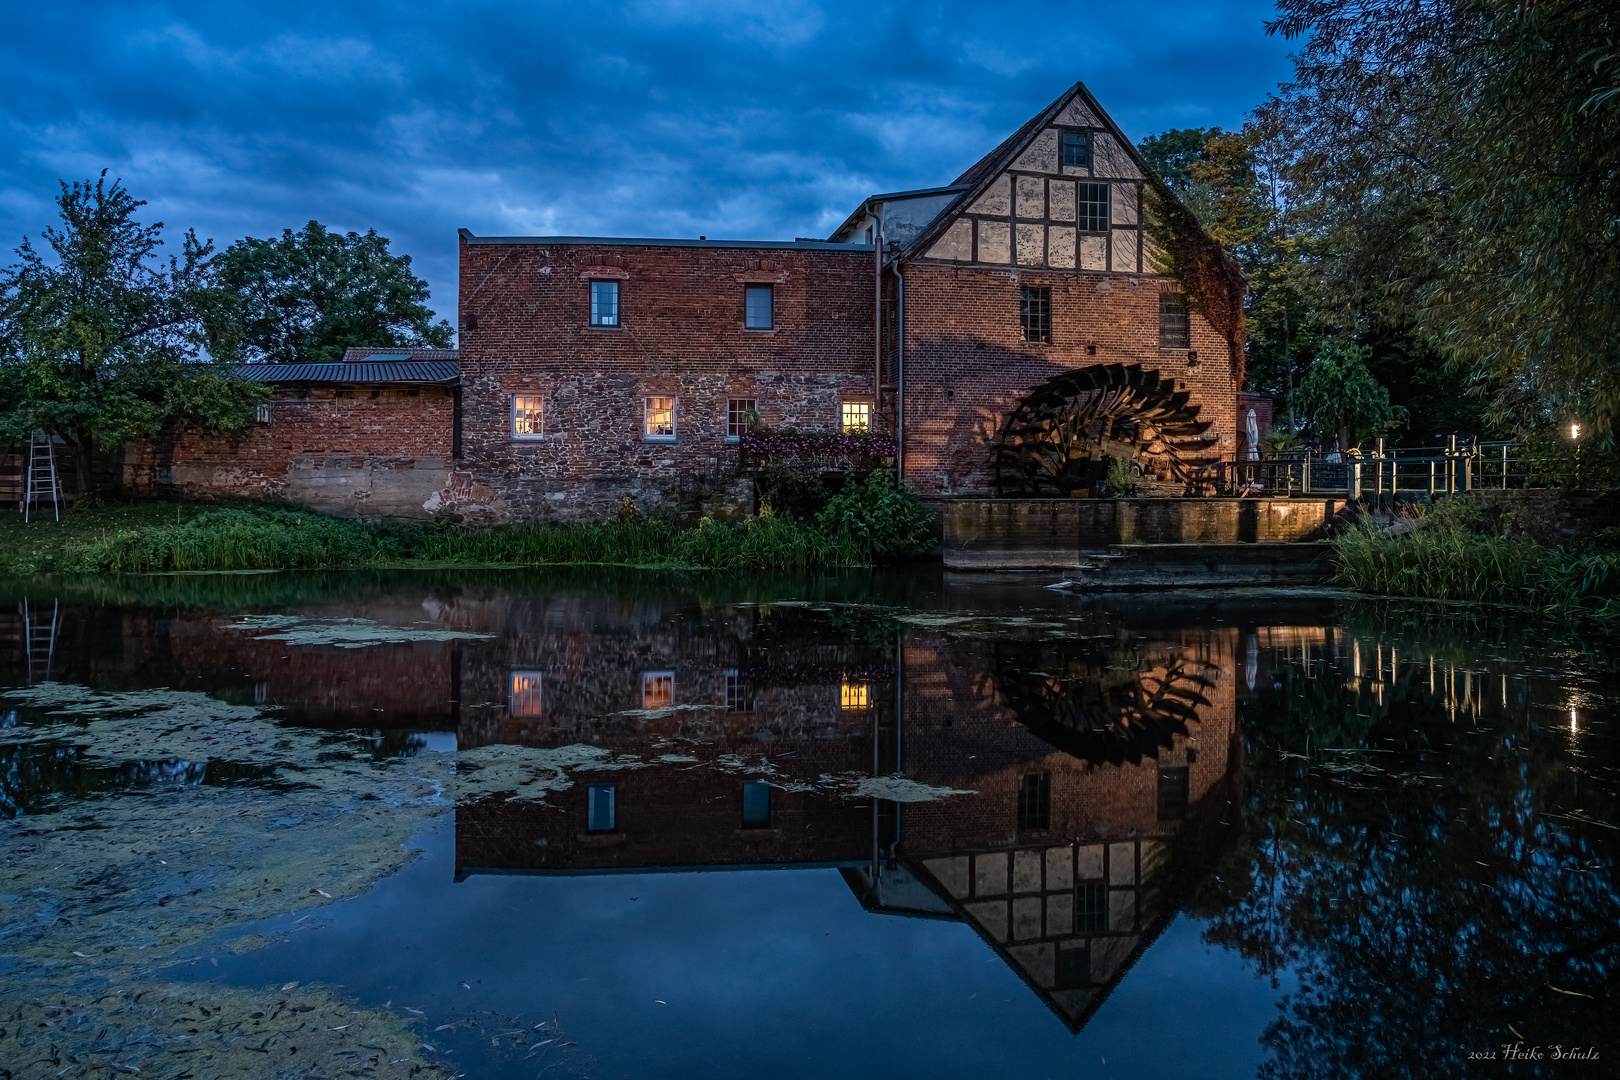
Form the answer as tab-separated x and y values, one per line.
1340	397
1460	159
105	343
309	295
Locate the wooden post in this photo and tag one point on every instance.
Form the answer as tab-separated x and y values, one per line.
1504	466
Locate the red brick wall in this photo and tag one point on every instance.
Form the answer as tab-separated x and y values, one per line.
369	451
525	329
967	365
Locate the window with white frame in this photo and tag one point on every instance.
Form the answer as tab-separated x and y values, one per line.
759	310
262	413
741	413
857	416
528	417
658	418
604	303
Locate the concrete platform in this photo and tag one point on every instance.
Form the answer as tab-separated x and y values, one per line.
1202	566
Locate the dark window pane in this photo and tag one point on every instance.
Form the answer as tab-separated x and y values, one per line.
600	816
758	312
1091	907
604	303
1076	149
756	804
1172	792
1035	313
739	696
1035	802
1091	210
1073	965
1174	328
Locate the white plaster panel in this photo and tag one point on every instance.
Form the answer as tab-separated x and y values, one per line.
1109	159
1124	257
1060	194
1026	871
1037	961
1077	113
1042	155
1031	197
990	875
1108	954
1124	203
1060	247
1122	909
1031	245
1121	864
1060	914
951	873
1059	869
995	242
956	243
1088	862
992	916
997	198
1026	918
1093	252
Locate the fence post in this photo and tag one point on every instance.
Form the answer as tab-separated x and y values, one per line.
1431	478
1468	473
1355	480
1305	475
1504	466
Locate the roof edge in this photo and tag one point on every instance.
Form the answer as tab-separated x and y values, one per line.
468	237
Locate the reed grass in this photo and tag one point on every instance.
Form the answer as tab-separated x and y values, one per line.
266	538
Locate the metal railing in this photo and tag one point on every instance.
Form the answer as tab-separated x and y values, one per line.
1461	465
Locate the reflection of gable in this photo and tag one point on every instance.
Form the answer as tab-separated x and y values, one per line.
1031	906
465	872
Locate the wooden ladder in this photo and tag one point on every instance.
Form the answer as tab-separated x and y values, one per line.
42	481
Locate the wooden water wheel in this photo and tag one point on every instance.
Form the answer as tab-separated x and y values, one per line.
1061	437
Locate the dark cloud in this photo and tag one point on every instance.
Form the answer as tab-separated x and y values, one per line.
727	118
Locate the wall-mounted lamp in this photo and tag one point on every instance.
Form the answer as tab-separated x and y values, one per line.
1091	350
1192	357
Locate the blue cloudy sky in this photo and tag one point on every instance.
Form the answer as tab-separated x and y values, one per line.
761	119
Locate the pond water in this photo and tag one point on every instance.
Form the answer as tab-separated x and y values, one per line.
902	824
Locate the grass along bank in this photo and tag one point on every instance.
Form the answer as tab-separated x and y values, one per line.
870	522
1468	552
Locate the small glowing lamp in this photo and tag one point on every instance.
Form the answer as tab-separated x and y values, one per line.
1575	431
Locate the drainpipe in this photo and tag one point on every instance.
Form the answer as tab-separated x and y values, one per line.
900	373
877	320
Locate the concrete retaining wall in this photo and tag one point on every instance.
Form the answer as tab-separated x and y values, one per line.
1051	534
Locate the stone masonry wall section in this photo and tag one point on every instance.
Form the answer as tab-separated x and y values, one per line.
526	330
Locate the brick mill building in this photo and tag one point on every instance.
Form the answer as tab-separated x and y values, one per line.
591	368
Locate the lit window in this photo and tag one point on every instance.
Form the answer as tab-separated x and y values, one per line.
857	415
854	696
1091	211
756	805
759	314
658	421
1035	802
657	689
1174	328
599	816
526	695
741	415
1035	313
1077	149
604	303
262	413
738	697
528	417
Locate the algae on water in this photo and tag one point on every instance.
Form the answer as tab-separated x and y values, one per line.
342	633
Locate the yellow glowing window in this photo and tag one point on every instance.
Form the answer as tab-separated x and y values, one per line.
857	415
528	418
527	694
854	696
659	418
657	689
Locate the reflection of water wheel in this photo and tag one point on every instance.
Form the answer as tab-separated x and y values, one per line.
1098	707
1060	438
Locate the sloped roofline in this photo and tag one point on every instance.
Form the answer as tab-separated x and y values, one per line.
983	172
866	204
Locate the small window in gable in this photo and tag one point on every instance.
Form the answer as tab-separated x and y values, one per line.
604	303
1174	324
758	304
1077	149
1091	210
528	417
658	418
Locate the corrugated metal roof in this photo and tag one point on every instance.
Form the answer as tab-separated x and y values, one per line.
444	372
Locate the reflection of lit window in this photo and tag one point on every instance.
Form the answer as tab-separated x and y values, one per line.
524	697
1035	801
1091	906
853	696
600	813
657	689
756	805
738	698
